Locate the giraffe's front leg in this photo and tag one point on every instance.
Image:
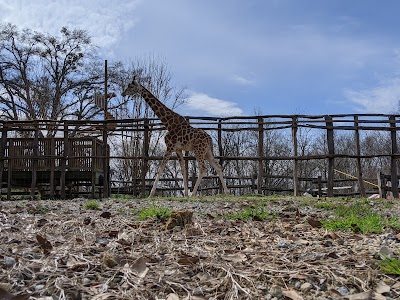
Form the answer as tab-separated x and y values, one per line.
161	168
184	173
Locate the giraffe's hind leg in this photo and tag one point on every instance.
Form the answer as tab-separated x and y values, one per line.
218	169
202	171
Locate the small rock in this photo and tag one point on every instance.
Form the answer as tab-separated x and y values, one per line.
305	287
283	244
343	291
5	286
8	261
297	285
389	236
198	291
385	251
39	287
275	291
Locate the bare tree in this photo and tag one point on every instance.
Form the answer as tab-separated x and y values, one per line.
47	77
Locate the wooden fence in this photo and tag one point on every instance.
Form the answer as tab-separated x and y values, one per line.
258	128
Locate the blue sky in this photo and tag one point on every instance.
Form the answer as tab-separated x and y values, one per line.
238	57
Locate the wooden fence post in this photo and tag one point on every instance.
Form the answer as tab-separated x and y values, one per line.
146	143
104	154
260	155
220	150
35	157
319	184
393	160
3	145
331	153
295	161
358	153
64	161
52	165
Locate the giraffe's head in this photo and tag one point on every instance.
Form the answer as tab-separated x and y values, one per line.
133	88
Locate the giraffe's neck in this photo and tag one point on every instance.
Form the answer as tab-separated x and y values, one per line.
167	116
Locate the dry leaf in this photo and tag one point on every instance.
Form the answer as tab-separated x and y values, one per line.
140	267
332	235
188	260
41	222
103	296
172	297
44	243
382	288
314	223
379	297
235	257
4	295
396	285
360	296
105	214
291	294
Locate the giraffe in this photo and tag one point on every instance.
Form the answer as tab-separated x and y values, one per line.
181	136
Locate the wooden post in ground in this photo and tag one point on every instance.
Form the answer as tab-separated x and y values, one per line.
358	153
3	145
331	153
220	150
146	143
52	165
260	153
393	160
10	164
64	160
319	184
105	154
35	157
295	161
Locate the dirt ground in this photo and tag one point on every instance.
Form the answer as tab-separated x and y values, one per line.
61	250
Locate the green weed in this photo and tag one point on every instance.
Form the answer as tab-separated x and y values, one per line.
258	213
38	209
154	211
358	216
92	205
390	265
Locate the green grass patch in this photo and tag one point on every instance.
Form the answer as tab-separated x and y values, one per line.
373	223
359	216
258	213
154	211
91	205
326	205
38	209
394	222
390	265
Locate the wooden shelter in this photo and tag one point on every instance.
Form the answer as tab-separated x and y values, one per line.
55	167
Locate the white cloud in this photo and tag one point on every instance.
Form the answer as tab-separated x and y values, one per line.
242	80
200	104
383	98
105	20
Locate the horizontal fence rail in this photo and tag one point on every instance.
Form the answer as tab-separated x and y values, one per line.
292	154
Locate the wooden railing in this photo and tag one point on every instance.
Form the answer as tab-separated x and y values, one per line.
85	151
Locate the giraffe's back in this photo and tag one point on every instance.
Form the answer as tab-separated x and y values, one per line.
188	138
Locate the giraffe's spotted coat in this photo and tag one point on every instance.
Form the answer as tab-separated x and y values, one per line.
181	137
